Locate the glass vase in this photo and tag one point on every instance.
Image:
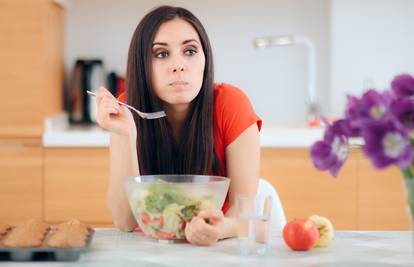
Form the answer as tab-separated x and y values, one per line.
409	185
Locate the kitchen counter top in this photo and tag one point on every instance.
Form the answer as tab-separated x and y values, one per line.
111	247
58	133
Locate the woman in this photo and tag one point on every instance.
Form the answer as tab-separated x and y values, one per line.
209	129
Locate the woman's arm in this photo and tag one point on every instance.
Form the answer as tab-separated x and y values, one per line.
243	165
243	168
119	121
123	164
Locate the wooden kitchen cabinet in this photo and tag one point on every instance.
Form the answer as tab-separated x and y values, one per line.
304	191
31	69
21	176
359	198
76	181
381	201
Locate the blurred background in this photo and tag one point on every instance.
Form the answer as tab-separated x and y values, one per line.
357	44
54	161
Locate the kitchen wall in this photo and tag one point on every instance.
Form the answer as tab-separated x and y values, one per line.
274	79
372	40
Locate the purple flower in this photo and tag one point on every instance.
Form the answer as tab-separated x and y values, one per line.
403	109
331	153
385	120
403	85
387	143
372	107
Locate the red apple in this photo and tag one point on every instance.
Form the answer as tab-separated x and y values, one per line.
300	234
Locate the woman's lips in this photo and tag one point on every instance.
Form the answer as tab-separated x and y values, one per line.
179	83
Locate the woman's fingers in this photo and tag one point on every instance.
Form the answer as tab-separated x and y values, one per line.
110	106
112	116
213	216
204	233
107	106
102	92
105	99
198	232
105	109
187	231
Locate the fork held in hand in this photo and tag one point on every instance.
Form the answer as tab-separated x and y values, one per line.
144	115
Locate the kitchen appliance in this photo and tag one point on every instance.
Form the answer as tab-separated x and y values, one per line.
89	75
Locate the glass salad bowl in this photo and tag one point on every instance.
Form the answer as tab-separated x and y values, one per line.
162	204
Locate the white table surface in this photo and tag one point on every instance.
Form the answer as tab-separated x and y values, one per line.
111	247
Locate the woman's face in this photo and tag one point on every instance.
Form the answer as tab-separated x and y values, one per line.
177	62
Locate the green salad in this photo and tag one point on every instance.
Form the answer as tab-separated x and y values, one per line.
162	210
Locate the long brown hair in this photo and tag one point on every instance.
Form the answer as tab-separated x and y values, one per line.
157	151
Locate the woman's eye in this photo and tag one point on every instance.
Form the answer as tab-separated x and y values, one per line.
190	52
161	54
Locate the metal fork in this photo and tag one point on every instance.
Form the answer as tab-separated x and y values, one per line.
144	115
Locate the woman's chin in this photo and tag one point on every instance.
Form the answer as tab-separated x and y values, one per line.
180	99
179	102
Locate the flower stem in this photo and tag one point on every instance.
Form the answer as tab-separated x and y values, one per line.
409	172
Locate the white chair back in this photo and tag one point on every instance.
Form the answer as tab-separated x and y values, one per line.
278	219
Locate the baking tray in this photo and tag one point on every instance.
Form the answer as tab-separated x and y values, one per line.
44	253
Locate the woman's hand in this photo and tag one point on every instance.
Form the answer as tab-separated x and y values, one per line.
200	233
112	116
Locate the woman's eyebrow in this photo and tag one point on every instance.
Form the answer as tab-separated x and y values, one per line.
189	41
159	43
166	44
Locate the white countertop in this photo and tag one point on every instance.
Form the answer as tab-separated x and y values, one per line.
112	247
58	133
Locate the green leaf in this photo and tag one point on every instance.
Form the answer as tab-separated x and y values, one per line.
190	211
161	194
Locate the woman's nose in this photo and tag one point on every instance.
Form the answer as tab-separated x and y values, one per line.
177	69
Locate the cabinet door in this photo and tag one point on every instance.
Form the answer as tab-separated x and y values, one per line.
31	56
305	191
21	166
381	198
76	182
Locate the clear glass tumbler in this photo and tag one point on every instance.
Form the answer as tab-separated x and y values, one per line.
254	214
